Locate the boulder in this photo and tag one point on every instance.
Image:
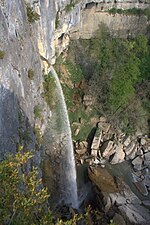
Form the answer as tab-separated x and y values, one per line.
147	156
141	187
132	154
119	155
146	203
137	163
96	142
127	141
103	179
143	141
107	149
104	126
129	148
81	148
88	100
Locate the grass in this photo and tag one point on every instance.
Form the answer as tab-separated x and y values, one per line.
2	54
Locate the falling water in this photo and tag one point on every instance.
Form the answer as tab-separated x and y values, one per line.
61	154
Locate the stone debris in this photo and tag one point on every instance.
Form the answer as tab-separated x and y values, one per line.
119	155
107	149
137	163
81	148
116	147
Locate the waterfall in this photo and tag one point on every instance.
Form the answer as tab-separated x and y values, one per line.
61	149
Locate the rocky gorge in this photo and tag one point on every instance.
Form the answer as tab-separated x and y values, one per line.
32	36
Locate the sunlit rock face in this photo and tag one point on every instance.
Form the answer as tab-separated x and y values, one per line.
24	43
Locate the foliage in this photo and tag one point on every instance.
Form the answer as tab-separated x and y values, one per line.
69	7
57	21
31	74
22	198
38	135
114	71
2	54
49	88
75	71
37	111
132	11
32	15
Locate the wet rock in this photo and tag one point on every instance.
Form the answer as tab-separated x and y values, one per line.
107	149
147	179
146	203
118	219
119	155
135	214
141	187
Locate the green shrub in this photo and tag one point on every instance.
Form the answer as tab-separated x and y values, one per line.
49	88
57	21
31	74
22	200
37	111
32	15
132	11
38	135
70	6
2	54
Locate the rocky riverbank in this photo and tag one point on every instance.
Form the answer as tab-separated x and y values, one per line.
109	146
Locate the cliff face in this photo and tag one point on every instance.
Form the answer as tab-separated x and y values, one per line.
22	43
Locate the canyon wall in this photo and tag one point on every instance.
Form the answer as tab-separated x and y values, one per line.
27	45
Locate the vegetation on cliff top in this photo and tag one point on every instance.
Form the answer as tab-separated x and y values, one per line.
132	11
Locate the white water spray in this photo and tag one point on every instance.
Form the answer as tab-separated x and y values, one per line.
61	148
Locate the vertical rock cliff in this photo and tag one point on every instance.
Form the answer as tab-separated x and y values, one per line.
34	30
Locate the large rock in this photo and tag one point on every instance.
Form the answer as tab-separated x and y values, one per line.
129	148
104	126
137	163
119	155
107	149
81	147
119	194
147	156
103	179
135	214
118	219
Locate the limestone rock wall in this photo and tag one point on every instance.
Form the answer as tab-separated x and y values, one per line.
24	43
